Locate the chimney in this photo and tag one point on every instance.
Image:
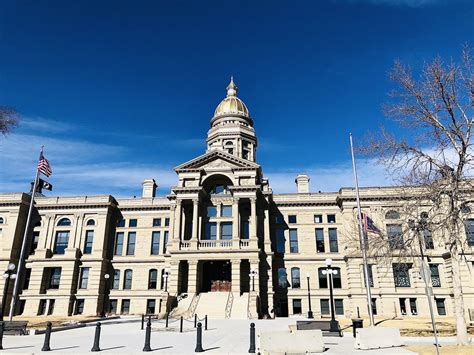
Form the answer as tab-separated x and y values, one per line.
149	188
302	183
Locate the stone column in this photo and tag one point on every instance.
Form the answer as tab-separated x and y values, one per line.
192	276
235	224
236	275
177	226
253	218
194	236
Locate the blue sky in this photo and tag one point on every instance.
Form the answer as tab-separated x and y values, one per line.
120	91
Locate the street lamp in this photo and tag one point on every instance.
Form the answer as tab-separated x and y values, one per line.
7	276
310	312
330	272
166	274
104	308
253	274
416	229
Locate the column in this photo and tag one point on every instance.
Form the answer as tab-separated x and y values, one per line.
235	275
218	224
235	224
253	218
177	226
192	276
194	236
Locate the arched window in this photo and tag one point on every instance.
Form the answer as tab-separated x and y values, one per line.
162	279
152	279
2	220
295	277
127	281
90	222
282	278
63	222
392	215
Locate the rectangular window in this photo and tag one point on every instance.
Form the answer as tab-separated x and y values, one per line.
333	248
469	227
325	307
226	211
295	278
245	230
54	277
211	211
374	306
34	242
119	243
167	222
413	308
211	231
127	280
51	307
282	278
440	306
280	240
116	283
42	307
429	244
131	243
319	232
435	279
132	222
292	219
125	307
395	236
61	243
156	222
331	218
318	218
79	306
401	275
155	243
339	306
113	306
226	230
293	240
150	306
84	277
88	242
403	306
323	279
297	306
121	223
165	242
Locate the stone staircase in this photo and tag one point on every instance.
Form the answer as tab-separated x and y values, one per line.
213	304
240	306
185	305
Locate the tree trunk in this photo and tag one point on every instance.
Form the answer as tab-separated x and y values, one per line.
461	326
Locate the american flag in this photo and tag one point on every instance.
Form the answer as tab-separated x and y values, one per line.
43	166
369	225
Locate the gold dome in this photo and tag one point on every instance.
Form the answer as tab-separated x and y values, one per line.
231	105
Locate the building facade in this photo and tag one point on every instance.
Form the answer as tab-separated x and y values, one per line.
220	239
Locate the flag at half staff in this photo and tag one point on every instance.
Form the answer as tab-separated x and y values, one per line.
43	166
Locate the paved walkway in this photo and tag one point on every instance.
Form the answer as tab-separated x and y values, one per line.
222	337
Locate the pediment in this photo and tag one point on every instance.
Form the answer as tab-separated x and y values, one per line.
217	159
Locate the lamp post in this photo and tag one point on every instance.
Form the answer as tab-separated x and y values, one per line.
330	272
252	275
7	276
166	274
416	229
310	312
104	308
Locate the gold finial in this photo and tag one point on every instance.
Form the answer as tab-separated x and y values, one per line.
231	88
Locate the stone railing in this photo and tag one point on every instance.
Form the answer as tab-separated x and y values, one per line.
185	244
244	243
215	243
228	306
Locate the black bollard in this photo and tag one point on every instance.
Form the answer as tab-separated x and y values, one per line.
199	348
205	322
147	336
181	325
195	320
252	338
1	335
96	346
47	337
167	318
143	321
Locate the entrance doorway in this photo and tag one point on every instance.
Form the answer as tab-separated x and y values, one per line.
216	275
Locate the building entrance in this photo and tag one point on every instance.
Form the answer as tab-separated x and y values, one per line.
216	276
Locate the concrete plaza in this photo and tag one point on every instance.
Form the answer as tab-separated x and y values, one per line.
222	337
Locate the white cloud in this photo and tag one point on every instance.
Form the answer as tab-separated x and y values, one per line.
41	124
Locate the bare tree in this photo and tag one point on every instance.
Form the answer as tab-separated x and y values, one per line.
432	161
8	119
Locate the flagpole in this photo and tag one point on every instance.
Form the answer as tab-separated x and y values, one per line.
23	245
362	237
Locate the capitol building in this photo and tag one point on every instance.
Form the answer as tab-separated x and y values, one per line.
220	243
